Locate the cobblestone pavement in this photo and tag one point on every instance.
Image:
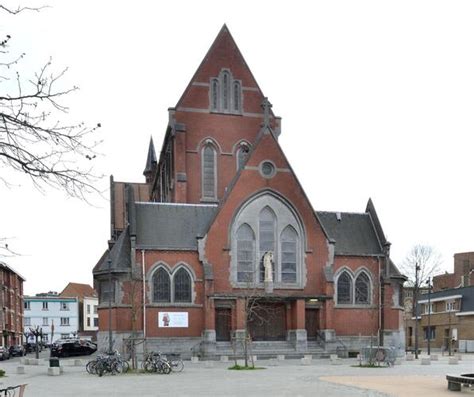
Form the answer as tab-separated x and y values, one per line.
287	378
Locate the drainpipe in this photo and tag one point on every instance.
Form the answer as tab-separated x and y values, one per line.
144	296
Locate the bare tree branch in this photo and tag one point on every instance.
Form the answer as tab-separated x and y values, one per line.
35	139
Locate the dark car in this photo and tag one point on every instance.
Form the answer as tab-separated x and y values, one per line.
78	347
4	353
17	351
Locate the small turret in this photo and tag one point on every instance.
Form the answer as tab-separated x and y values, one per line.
150	162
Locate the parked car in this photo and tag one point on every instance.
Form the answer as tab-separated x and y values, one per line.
4	354
77	347
17	351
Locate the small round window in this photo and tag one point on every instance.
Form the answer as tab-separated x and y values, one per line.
267	169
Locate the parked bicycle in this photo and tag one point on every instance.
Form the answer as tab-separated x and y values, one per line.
107	363
155	362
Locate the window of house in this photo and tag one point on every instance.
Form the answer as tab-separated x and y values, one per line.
96	322
64	306
429	332
64	336
161	286
27	305
45	321
88	309
208	172
428	308
45	305
449	306
225	93
344	288
95	309
88	321
266	224
172	287
64	320
27	321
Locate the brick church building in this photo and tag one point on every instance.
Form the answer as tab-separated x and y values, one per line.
221	237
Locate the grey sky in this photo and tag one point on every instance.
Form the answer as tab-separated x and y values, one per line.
376	99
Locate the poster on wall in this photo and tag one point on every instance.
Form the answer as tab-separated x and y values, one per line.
172	319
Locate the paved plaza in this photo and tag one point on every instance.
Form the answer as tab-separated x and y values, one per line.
285	378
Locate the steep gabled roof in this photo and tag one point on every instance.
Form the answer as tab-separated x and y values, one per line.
223	52
168	226
353	232
79	290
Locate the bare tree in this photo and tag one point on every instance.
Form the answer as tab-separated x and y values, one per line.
428	261
421	263
36	138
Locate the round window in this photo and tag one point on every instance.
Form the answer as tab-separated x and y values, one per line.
267	169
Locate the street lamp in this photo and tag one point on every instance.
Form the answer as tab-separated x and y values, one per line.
417	269
429	315
109	262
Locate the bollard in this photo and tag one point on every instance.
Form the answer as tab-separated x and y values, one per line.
20	369
305	361
453	361
53	371
194	360
425	361
434	357
224	359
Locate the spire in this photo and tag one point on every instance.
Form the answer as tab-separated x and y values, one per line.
151	159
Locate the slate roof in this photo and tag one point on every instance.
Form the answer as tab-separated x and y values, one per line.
119	255
467	301
171	226
354	233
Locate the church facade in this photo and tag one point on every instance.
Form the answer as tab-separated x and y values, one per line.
221	241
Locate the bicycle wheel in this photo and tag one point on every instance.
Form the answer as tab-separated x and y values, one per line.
125	366
91	367
149	367
177	365
165	367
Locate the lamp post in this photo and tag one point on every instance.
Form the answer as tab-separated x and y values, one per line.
429	316
417	269
109	262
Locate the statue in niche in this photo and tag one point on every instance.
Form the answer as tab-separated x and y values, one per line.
268	266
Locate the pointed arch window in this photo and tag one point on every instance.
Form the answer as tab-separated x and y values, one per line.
208	172
161	286
182	286
344	288
215	94
225	91
362	289
266	229
236	97
289	241
245	254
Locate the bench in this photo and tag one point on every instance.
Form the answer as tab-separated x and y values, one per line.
456	381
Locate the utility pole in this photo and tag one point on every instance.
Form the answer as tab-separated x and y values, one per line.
417	269
109	261
429	316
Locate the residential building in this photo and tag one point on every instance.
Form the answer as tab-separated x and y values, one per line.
57	316
446	312
11	303
222	220
88	301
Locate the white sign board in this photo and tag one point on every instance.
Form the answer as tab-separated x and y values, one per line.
172	319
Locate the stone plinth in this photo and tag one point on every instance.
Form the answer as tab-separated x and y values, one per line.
224	359
281	357
194	360
54	371
306	361
434	357
453	361
20	369
425	361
